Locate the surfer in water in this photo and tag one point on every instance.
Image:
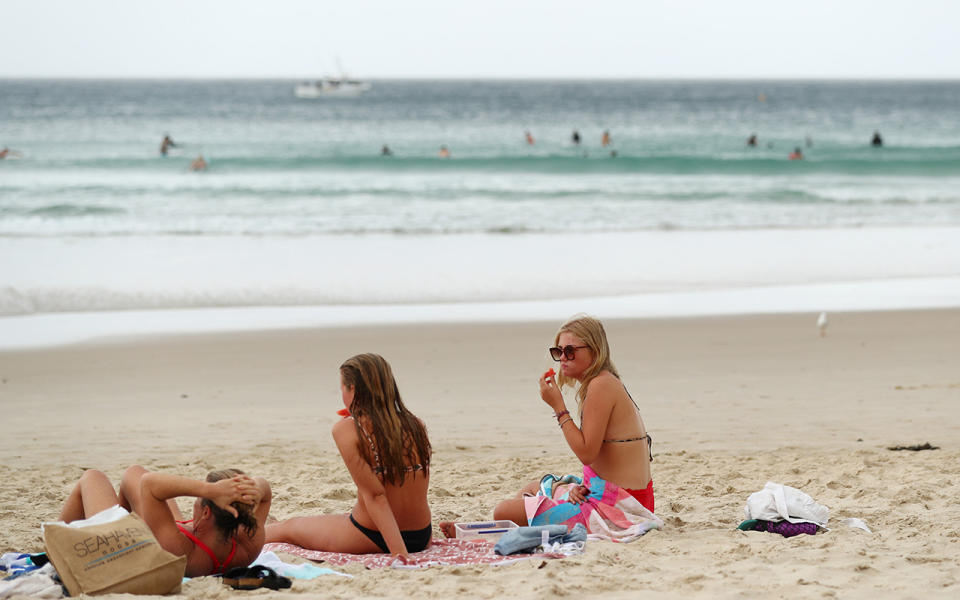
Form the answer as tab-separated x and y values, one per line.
752	140
385	151
8	153
166	144
575	137
877	140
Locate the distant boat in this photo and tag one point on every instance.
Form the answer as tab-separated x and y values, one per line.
331	87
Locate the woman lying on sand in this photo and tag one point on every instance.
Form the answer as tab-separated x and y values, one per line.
611	439
227	529
386	450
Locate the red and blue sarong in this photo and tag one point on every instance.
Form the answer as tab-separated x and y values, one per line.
610	512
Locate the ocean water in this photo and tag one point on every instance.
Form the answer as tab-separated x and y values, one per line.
298	207
288	166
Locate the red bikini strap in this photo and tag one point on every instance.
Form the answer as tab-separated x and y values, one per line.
218	567
233	550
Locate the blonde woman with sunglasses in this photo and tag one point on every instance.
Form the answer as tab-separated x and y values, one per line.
610	439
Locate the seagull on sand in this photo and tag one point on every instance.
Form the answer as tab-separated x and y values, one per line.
822	324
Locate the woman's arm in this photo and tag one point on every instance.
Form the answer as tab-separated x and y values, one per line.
586	440
264	497
157	488
369	487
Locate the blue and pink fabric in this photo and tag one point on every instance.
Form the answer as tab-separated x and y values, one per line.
609	512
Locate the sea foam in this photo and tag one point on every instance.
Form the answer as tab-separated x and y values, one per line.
41	275
333	279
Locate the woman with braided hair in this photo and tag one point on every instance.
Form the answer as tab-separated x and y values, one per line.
385	448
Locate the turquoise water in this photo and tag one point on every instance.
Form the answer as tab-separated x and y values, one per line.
286	166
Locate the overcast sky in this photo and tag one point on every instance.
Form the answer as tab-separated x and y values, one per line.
481	38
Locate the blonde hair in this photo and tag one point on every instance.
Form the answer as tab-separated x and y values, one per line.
591	333
400	437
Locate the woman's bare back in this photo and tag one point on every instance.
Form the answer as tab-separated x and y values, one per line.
624	457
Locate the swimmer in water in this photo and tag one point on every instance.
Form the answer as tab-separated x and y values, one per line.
797	154
877	140
385	151
198	164
605	140
444	152
529	138
752	140
575	137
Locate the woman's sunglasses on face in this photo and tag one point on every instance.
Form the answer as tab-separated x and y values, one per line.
566	352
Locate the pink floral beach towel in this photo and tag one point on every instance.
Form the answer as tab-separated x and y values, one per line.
440	552
609	513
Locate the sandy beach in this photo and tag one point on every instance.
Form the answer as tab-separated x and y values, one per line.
731	403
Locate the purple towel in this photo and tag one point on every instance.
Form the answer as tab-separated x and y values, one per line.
786	528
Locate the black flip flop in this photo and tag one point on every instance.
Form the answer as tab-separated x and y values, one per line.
255	577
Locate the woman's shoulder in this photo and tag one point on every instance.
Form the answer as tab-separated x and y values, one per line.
247	551
603	390
605	382
344	429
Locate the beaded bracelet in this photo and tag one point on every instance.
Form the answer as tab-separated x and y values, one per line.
561	413
564	422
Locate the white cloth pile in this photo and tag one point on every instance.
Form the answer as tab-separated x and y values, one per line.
778	502
37	584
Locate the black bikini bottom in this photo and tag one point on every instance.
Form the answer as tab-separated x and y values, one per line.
415	540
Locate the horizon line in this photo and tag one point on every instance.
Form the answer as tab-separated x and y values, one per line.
750	78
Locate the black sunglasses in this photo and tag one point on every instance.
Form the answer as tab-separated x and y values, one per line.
567	352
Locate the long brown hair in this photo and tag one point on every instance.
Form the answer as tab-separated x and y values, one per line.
226	523
400	437
590	331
